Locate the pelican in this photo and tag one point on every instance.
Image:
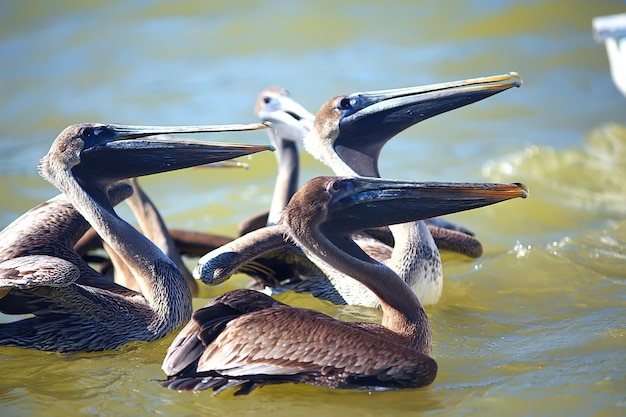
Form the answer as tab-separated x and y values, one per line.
277	272
348	135
74	309
245	338
290	122
153	227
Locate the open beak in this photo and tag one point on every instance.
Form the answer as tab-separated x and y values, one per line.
121	132
368	120
360	203
128	151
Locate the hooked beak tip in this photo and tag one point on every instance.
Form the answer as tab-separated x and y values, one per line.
524	187
518	78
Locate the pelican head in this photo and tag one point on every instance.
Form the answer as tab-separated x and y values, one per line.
105	153
289	120
356	126
349	204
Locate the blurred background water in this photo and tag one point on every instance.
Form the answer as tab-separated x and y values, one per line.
534	327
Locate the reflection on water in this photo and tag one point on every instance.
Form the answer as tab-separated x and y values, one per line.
534	327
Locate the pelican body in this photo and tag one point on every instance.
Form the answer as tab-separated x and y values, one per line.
245	338
74	308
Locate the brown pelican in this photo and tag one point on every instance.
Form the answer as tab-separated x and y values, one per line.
152	225
74	309
245	338
348	135
275	272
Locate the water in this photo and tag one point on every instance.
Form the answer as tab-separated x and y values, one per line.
534	327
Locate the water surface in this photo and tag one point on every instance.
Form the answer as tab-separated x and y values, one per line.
534	327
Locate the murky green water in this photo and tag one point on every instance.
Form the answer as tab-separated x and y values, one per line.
535	327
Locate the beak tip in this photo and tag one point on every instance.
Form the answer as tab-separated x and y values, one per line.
518	78
524	188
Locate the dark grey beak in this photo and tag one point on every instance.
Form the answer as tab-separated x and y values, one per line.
360	203
368	120
122	152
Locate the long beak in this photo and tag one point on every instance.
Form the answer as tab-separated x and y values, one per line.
372	202
122	153
132	132
368	120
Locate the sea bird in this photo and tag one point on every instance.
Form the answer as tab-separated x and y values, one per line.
245	338
74	308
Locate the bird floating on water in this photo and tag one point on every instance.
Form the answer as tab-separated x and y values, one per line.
74	308
245	338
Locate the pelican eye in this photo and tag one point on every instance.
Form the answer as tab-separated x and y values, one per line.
333	186
91	135
86	132
267	99
345	103
90	132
